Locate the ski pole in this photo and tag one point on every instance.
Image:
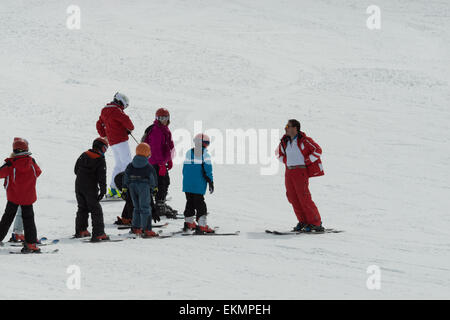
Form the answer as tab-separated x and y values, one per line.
133	137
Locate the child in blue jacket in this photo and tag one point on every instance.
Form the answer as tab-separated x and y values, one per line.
197	174
139	181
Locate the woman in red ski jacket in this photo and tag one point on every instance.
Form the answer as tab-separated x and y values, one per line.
115	125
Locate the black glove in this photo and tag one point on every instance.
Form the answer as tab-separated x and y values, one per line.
155	216
211	187
128	131
124	194
100	196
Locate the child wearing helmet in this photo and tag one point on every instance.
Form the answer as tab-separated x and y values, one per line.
115	125
20	172
90	188
159	137
139	181
197	174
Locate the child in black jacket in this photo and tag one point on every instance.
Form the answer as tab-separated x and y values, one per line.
90	188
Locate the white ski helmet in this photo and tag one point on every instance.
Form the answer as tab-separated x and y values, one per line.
202	139
122	98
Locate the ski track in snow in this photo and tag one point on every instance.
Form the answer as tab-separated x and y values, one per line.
376	101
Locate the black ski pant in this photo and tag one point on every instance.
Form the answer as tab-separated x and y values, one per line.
163	184
28	221
127	212
195	205
88	203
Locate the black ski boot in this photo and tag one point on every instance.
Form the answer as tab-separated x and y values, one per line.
313	228
299	227
189	226
165	210
30	248
123	221
171	213
203	230
102	237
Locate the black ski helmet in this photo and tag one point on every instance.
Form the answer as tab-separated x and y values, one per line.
100	144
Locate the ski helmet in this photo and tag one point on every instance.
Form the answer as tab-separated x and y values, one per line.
202	139
143	149
100	144
162	114
20	145
122	99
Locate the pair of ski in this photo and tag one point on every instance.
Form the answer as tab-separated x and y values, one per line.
176	217
42	242
215	233
125	236
292	232
120	227
128	236
184	233
124	227
41	252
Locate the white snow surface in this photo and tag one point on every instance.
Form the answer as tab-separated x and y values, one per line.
377	101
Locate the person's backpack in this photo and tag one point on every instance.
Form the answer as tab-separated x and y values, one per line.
147	132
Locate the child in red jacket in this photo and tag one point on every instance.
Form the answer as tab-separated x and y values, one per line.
21	172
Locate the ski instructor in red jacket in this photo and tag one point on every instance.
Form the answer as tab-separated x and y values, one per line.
115	125
301	155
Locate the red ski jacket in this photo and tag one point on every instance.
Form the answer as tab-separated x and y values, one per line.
20	173
113	123
311	152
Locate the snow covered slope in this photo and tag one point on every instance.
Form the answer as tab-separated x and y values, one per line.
377	101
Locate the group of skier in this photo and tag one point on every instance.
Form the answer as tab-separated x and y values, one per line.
143	181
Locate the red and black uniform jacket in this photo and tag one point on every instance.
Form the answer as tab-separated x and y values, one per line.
20	173
90	170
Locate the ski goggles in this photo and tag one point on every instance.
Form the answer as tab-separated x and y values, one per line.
104	148
163	118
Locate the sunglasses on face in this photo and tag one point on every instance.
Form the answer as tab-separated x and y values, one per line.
163	118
